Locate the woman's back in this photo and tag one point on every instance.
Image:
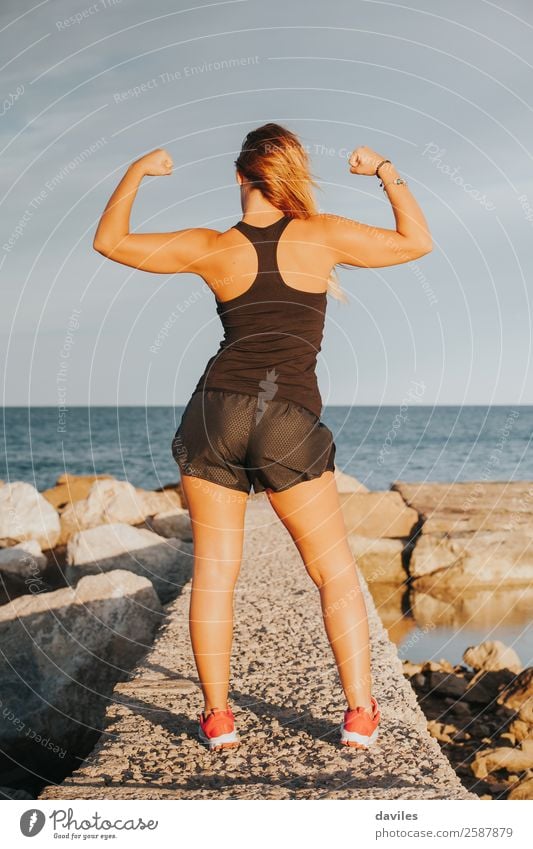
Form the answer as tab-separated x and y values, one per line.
304	261
272	305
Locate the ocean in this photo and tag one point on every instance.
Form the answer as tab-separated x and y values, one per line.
377	445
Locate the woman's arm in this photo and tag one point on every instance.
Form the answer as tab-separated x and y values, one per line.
163	253
354	243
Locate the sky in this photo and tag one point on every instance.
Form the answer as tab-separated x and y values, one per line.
443	90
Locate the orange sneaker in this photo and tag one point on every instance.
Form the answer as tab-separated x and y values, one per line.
360	726
217	729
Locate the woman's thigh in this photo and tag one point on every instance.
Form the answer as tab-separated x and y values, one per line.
217	519
311	511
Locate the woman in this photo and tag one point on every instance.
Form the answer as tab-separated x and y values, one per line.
254	416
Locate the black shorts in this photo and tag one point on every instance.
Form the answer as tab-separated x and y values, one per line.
239	440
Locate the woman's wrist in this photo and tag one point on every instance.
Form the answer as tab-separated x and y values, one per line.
137	169
387	172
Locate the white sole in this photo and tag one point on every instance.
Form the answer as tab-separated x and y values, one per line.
361	739
231	737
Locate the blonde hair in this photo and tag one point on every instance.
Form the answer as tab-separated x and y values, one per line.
274	160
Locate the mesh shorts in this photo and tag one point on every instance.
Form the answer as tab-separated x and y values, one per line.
239	441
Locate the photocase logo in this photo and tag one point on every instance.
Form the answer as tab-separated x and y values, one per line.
269	388
32	822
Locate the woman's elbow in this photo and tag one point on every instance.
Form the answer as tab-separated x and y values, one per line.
100	246
424	247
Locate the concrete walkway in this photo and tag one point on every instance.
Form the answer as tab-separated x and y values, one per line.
286	698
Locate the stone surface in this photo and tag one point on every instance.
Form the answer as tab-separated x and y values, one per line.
511	759
521	730
25	559
63	652
492	655
286	697
25	515
109	501
485	685
518	696
167	563
522	790
22	568
347	483
485	557
380	560
377	514
71	488
471	506
172	523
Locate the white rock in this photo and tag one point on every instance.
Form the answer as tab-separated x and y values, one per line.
347	483
377	514
166	562
64	651
380	560
172	523
25	515
484	557
24	559
108	501
111	500
492	655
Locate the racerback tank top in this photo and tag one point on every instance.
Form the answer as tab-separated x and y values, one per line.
272	332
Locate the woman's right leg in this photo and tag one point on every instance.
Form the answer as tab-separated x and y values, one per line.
217	518
312	514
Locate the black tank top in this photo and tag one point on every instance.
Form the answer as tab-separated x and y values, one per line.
272	332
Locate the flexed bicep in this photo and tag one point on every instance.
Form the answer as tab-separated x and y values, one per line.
354	243
163	253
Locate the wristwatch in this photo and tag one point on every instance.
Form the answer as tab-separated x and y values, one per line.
398	181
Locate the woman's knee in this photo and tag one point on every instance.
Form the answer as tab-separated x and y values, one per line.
216	572
338	564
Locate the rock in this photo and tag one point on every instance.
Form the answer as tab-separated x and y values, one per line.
65	650
390	601
153	502
522	790
494	557
483	687
504	757
71	488
441	731
460	710
377	514
446	685
172	523
25	559
471	506
380	560
521	730
110	501
347	483
518	696
14	793
25	515
165	562
433	666
491	655
22	568
410	668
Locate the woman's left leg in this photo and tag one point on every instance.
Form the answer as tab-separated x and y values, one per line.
217	518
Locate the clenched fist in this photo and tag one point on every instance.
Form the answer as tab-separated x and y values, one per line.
364	160
158	163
